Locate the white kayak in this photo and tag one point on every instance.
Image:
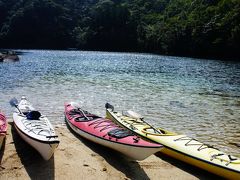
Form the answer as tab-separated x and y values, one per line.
35	128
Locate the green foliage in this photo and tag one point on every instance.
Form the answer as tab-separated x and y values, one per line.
207	28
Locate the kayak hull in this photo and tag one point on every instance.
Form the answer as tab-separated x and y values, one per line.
38	133
3	128
45	148
182	147
206	165
97	130
131	152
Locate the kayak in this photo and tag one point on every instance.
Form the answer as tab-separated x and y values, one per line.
106	133
179	146
35	128
3	128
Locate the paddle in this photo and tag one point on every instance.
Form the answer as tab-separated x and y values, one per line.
14	102
138	116
83	113
156	130
134	115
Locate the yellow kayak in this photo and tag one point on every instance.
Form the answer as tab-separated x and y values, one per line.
181	147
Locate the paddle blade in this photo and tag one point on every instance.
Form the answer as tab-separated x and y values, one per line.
75	105
13	102
134	114
109	106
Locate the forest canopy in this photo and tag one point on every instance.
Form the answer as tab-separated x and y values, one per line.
197	28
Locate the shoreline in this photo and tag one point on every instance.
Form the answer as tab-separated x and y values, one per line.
196	57
78	158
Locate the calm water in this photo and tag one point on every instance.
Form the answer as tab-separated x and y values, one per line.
200	98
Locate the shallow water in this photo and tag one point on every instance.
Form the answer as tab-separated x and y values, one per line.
197	97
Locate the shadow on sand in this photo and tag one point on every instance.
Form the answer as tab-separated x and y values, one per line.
197	172
2	151
131	169
35	165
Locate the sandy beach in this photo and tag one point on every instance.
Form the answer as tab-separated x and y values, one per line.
78	158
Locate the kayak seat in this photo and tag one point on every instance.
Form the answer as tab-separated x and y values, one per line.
78	115
78	111
33	115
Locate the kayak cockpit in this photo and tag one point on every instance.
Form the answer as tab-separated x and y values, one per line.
80	115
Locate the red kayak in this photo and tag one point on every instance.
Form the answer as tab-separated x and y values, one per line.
107	133
3	128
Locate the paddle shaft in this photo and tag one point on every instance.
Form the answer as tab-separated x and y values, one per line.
153	128
83	114
18	109
14	102
141	118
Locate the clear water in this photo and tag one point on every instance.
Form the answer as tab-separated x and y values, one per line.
197	97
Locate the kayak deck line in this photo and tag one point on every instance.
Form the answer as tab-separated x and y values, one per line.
204	146
189	139
40	125
41	141
98	123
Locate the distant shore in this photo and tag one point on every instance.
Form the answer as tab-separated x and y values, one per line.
78	158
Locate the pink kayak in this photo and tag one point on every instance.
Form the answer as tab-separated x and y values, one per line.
107	133
3	128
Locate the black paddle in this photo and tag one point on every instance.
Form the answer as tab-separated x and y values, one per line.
14	102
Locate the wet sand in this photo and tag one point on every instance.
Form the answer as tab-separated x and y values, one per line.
78	158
